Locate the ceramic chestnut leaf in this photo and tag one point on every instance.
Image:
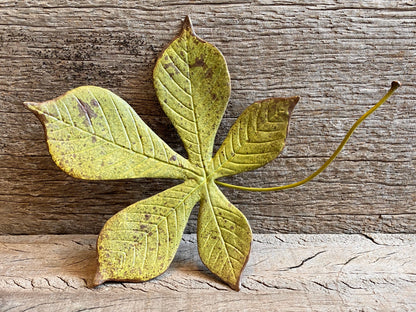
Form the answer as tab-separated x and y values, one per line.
94	134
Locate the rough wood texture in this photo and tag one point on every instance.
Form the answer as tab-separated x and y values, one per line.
287	272
340	57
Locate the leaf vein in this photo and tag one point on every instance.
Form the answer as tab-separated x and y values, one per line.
193	108
176	67
238	250
67	111
104	116
139	139
122	122
176	83
123	147
87	115
178	54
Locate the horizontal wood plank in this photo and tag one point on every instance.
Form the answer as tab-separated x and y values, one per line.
340	57
286	272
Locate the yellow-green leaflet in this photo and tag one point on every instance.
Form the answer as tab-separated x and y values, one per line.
193	86
224	236
256	138
139	242
94	134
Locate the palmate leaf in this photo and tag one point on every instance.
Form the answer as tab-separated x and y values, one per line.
94	134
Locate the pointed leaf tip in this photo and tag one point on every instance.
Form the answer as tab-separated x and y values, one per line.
295	101
29	105
187	25
98	280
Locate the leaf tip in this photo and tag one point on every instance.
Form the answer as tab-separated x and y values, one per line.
293	102
98	279
236	286
30	105
35	108
187	25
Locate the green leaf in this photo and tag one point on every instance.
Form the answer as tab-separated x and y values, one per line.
256	138
193	86
224	236
94	134
140	242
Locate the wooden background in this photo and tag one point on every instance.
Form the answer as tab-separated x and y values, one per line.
339	56
286	272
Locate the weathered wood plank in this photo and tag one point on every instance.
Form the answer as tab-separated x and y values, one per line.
339	57
286	272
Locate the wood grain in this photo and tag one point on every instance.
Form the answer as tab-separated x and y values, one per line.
340	57
286	272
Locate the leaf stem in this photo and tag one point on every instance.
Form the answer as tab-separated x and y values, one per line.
394	86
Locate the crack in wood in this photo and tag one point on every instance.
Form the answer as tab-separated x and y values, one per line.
304	261
324	286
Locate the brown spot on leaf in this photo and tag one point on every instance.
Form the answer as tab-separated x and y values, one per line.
172	158
199	62
208	74
166	66
86	111
94	102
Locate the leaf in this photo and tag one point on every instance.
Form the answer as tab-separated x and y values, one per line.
140	242
224	236
256	138
193	86
94	134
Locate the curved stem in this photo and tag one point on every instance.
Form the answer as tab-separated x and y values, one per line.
394	86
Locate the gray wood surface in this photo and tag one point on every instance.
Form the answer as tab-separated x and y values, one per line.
286	272
340	57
